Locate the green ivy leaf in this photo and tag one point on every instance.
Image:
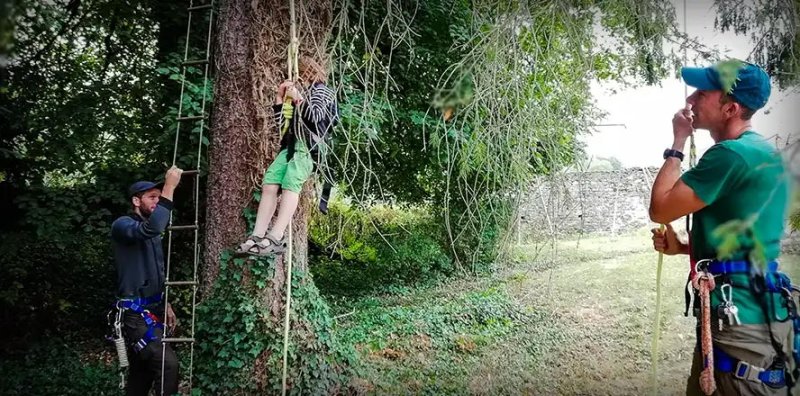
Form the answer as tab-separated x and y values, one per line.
729	73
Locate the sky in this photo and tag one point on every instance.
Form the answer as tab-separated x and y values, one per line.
647	111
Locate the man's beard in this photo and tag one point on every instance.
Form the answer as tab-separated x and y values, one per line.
145	212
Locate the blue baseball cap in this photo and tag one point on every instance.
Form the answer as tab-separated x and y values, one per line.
746	82
142	186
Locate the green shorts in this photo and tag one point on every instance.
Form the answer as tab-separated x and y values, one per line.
291	175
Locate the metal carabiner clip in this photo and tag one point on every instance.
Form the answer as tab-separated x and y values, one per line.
727	292
702	266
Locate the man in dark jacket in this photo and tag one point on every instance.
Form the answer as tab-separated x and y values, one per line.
139	255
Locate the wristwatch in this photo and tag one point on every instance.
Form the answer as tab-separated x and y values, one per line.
673	153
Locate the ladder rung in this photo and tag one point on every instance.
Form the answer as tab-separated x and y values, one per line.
181	283
177	339
200	7
192	172
195	62
182	227
191	118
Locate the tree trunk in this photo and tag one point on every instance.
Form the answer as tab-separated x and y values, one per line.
229	187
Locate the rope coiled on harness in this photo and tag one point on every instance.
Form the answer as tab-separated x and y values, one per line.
704	283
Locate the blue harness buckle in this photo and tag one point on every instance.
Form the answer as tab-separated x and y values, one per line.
747	371
775	378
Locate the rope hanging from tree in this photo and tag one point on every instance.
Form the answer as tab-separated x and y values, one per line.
292	72
657	321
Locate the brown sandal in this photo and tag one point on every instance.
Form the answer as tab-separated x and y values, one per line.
274	247
252	246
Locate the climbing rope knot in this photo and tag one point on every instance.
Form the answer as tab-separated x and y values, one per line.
708	284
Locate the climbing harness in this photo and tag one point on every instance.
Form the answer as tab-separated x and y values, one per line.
777	375
150	319
137	306
761	283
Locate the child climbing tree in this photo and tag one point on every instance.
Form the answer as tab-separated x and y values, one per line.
305	120
240	334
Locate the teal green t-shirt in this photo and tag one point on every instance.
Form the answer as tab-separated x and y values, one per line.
745	186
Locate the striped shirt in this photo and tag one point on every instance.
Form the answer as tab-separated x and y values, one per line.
319	113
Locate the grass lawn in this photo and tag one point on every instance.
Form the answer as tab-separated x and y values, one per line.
571	318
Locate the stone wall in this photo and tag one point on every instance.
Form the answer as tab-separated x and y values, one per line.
608	202
605	202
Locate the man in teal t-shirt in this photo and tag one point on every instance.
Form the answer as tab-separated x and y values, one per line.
738	195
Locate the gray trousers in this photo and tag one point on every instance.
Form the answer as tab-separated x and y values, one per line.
145	370
749	343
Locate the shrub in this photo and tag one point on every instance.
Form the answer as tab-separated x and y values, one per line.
63	283
58	366
356	251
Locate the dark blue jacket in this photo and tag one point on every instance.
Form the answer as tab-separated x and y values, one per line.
138	252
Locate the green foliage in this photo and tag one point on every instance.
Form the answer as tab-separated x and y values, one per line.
481	314
638	30
772	28
478	231
57	366
7	9
64	285
729	73
80	89
602	164
243	337
59	210
85	108
387	59
459	105
356	251
794	210
195	89
794	220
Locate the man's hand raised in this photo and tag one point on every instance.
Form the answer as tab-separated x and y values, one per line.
171	180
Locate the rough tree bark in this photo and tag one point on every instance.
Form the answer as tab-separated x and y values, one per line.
228	189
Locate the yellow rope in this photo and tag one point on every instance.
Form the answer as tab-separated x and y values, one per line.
657	321
288	112
288	263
